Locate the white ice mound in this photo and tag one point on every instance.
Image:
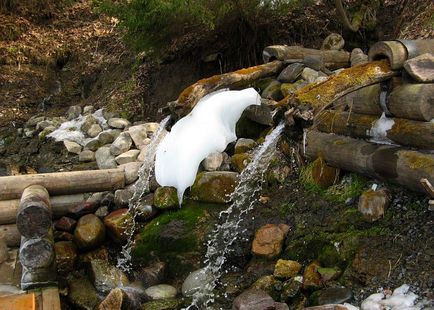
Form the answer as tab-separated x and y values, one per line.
209	128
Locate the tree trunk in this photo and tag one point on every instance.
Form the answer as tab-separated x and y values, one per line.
413	101
11	234
63	183
34	212
59	207
332	59
365	100
391	163
240	78
404	132
36	253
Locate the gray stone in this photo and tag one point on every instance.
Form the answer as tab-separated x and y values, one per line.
195	280
43	124
102	212
291	73
131	171
28	133
82	294
151	128
213	161
280	306
94	130
226	165
253	299
89	120
139	134
244	145
142	154
127	157
122	197
46	132
34	120
309	75
88	110
358	57
74	111
92	145
72	147
121	144
161	291
152	275
331	295
86	156
260	114
119	123
333	41
106	277
421	68
273	91
108	136
104	159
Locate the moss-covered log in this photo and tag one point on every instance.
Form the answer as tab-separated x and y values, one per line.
237	79
413	101
332	59
403	131
390	163
365	100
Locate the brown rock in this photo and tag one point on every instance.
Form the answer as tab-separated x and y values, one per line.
119	224
82	208
66	256
62	236
113	301
286	268
421	68
65	224
269	240
240	161
324	175
152	275
311	277
101	254
372	204
253	299
214	187
90	232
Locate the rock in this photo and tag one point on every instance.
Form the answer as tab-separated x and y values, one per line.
253	299
108	136
62	236
329	274
309	75
280	306
261	114
65	224
66	256
83	208
89	120
124	298
88	110
72	147
113	301
290	88
4	254
214	186
273	91
34	120
105	276
330	295
164	304
161	291
74	111
104	158
166	198
240	161
358	57
28	133
90	232
372	204
93	145
43	124
213	161
142	154
333	41
98	254
127	157
322	174
119	123
421	68
290	289
131	171
195	281
81	293
138	134
244	145
268	284
269	240
152	275
102	212
311	277
108	114
286	268
119	224
291	73
151	128
86	156
46	132
121	144
123	197
94	130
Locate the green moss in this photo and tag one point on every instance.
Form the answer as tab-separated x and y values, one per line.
286	208
166	198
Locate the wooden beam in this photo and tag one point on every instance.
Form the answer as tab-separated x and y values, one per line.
18	302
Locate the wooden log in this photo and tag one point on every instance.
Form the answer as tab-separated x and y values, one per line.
59	207
413	101
398	51
318	96
64	183
50	299
36	253
11	234
390	163
18	302
332	59
365	100
403	131
240	78
34	212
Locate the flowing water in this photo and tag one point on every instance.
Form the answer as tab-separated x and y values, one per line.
141	187
225	234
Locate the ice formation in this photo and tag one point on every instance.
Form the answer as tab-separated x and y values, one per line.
379	129
209	128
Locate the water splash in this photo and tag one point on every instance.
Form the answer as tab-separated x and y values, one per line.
225	234
140	187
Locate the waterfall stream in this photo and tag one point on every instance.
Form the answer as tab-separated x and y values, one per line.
225	234
141	187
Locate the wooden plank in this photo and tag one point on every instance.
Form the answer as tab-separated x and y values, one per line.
18	302
50	299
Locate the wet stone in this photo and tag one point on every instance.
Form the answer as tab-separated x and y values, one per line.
73	112
290	289
152	275
88	110
214	186
286	268
82	294
94	130
89	120
273	91
311	277
65	224
105	276
102	212
118	224
131	171
261	114
164	304
291	73
90	232
194	281
244	145
100	254
331	295
213	161
161	291
253	299
269	239
166	198
83	208
66	256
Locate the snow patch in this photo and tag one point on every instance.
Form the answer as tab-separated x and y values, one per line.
209	128
379	129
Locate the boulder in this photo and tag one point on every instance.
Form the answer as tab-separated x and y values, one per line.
311	277
240	161
131	171
93	145
123	197
215	187
138	134
372	204
269	240
89	120
72	147
94	130
106	277
161	291
152	275
66	256
253	299
89	109
81	293
421	68
89	233
330	295
127	157
108	136
286	268
358	57
119	123
213	161
261	114
333	41
196	280
119	225
86	156
97	254
34	120
244	145
166	198
74	111
121	144
309	75
273	91
104	158
291	73
65	224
